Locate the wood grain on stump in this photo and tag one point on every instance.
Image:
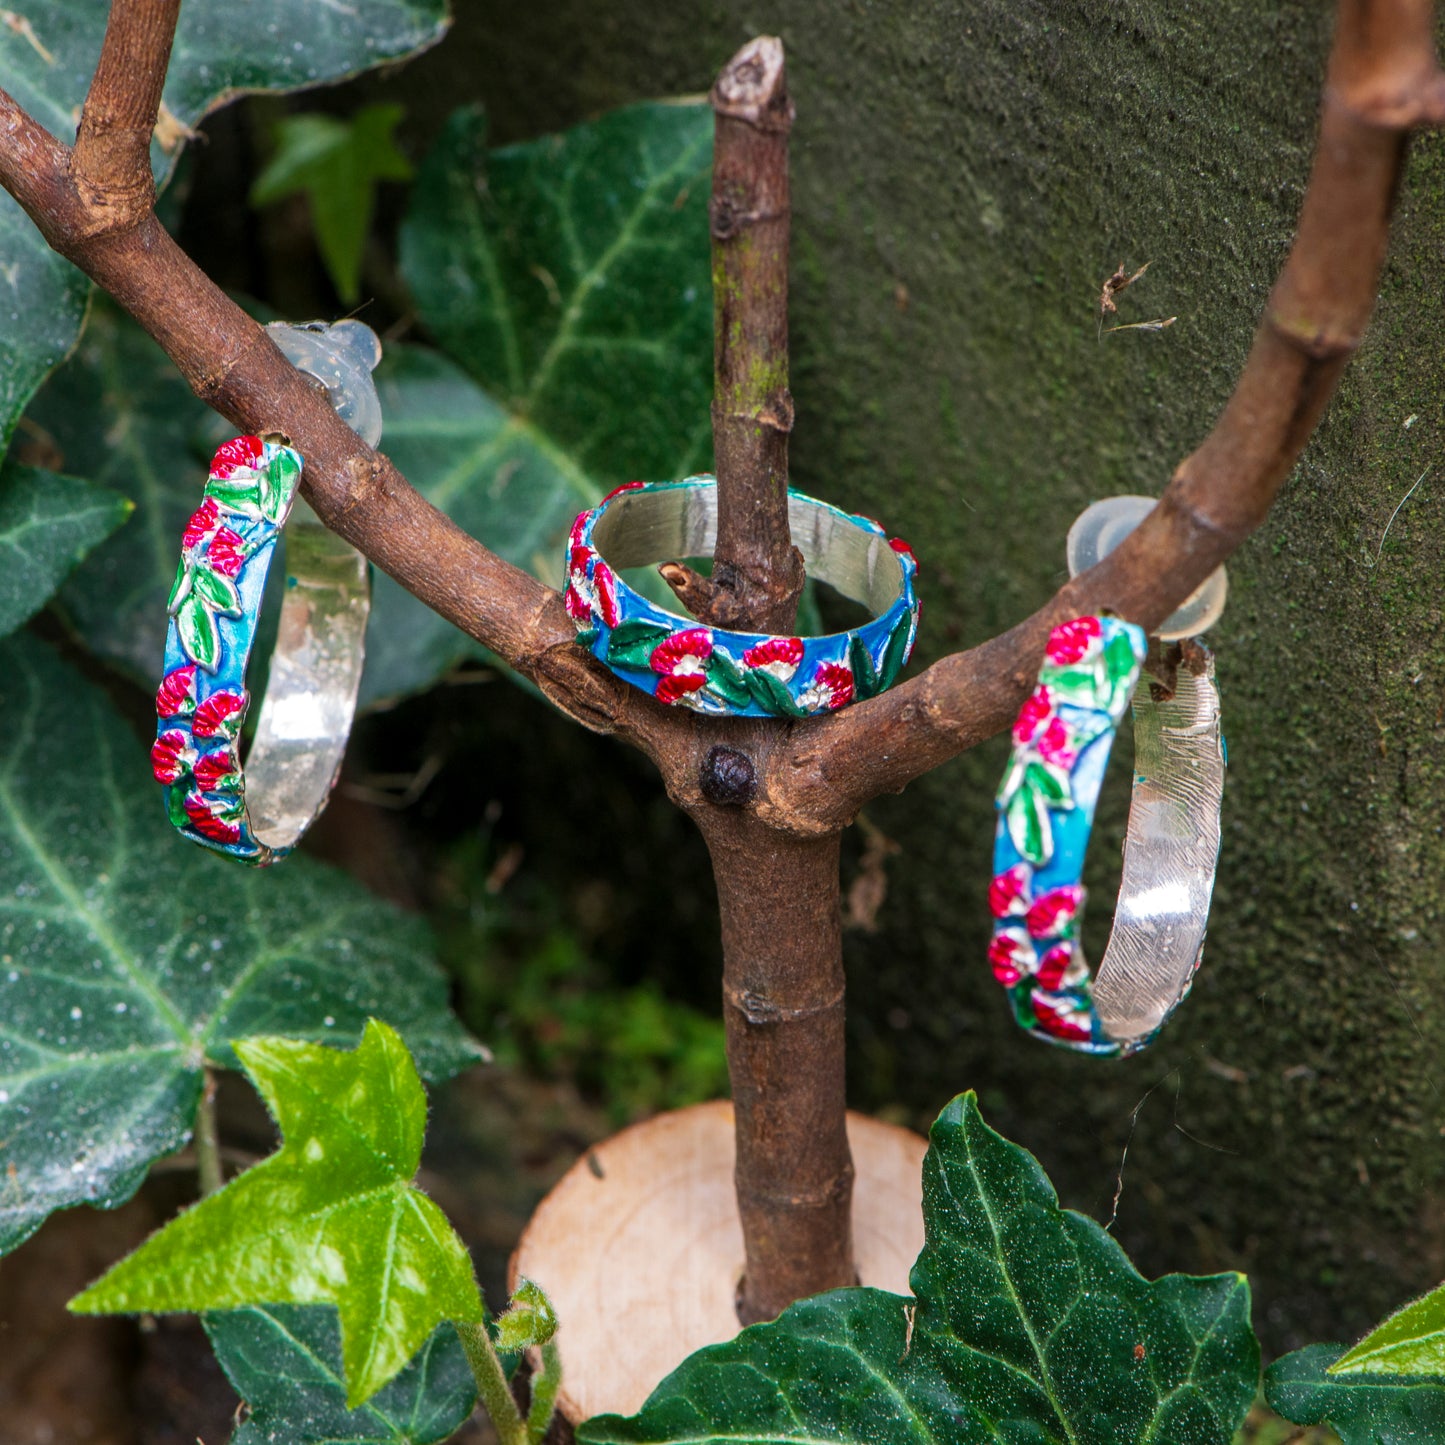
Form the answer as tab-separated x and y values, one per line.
640	1250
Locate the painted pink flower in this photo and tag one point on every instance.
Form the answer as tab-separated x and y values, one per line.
1008	894
1060	965
777	655
574	537
216	770
577	559
831	688
1012	956
220	715
1057	745
171	756
617	491
212	821
578	608
903	550
1071	642
237	453
227	554
1061	1018
676	686
204	520
606	589
683	652
1034	716
1052	912
177	692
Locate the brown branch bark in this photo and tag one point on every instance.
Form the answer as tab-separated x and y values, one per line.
757	574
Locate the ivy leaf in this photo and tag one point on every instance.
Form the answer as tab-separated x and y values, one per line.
1410	1342
47	524
285	1362
1361	1409
336	165
331	1218
1028	1326
220	51
130	959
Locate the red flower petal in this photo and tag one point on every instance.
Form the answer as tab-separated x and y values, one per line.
177	692
606	585
205	822
786	650
693	642
574	537
670	689
577	608
903	550
1011	955
1057	745
1069	641
221	713
169	756
617	491
1054	965
1052	912
227	553
239	452
837	678
1033	715
1009	891
213	769
202	524
577	560
1060	1019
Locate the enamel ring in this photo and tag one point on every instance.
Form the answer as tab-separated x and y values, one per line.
1061	744
743	674
315	669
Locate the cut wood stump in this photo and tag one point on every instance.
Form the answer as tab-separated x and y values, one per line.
640	1251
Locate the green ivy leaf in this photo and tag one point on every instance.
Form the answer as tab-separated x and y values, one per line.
528	1320
47	524
337	165
1361	1409
1410	1342
130	959
1026	1328
285	1363
220	51
331	1218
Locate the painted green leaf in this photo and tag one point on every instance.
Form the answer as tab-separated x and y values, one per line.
236	495
285	1363
1051	784
893	654
337	165
221	50
1028	824
1082	686
47	524
1028	1326
725	678
1410	1342
772	693
196	623
331	1218
631	644
865	675
1361	1409
130	958
219	593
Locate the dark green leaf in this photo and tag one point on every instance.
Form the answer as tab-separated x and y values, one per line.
1051	784
1362	1409
631	644
337	165
1410	1342
285	1363
893	654
865	675
772	693
47	524
129	957
331	1217
220	50
1029	1327
726	679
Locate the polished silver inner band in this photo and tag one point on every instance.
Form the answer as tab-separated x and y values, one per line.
643	528
1171	849
310	699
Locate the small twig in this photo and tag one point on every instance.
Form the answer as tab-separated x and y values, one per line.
1156	325
1380	549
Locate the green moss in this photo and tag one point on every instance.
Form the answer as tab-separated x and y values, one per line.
965	176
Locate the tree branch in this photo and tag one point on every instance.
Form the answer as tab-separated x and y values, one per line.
1383	78
757	574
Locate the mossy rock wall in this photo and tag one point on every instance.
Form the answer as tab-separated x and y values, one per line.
966	174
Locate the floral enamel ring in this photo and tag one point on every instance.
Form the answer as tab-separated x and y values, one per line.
743	674
1046	803
215	606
